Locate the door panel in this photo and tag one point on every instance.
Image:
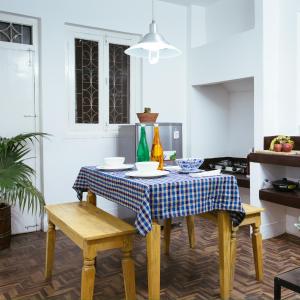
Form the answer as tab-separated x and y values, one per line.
17	113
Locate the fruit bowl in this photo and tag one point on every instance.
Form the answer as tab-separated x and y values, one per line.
189	164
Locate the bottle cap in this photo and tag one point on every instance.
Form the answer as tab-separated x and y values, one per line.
143	125
155	125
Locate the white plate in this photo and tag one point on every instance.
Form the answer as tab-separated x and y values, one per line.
115	168
153	174
191	171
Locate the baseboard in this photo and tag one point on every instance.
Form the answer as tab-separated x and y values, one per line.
272	229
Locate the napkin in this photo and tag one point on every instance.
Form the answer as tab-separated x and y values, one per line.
172	168
206	173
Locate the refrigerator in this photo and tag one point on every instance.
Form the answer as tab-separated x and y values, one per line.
170	138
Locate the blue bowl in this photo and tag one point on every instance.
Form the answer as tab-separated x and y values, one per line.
189	164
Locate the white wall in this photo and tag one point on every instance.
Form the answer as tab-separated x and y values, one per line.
254	53
265	90
224	42
220	20
222	119
164	85
292	214
278	110
209	121
228	17
281	105
292	217
241	123
287	96
229	59
197	26
270	53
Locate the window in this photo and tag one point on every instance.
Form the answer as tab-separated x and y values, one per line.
86	81
15	33
119	84
103	81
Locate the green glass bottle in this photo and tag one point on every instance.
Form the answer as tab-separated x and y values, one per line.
143	153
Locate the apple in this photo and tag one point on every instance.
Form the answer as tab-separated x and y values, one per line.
287	147
277	147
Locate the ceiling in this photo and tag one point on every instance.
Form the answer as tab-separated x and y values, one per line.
192	2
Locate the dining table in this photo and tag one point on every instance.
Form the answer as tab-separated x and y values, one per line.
170	196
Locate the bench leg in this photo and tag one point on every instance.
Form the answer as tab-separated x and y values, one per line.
233	245
128	271
190	221
257	251
167	235
153	261
224	232
50	246
88	278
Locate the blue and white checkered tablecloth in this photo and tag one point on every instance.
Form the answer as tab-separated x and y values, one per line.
166	197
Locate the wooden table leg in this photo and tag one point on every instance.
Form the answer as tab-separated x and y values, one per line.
88	274
153	261
190	221
91	198
50	246
224	229
233	247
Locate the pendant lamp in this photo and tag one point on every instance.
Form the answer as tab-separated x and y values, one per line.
153	46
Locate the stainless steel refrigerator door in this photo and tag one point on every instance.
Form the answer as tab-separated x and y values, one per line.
170	136
129	137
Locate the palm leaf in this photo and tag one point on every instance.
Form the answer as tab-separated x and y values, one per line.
16	176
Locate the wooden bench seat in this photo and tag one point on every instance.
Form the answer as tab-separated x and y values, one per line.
253	218
93	230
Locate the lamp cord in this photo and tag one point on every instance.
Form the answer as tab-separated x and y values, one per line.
153	15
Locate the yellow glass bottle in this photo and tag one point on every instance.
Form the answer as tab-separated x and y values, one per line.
157	152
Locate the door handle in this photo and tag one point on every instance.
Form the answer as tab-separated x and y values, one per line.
30	116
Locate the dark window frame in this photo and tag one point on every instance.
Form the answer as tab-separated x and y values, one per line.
11	32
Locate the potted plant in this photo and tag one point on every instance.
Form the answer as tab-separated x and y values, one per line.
282	143
16	185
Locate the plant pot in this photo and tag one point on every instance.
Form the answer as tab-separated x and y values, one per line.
5	226
286	147
278	147
147	117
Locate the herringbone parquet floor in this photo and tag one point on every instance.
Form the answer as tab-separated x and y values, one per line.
186	274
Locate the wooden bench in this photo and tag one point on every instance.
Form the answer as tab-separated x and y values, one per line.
93	230
253	218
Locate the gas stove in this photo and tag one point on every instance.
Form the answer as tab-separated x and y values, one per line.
231	165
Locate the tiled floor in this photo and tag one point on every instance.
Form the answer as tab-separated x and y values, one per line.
186	274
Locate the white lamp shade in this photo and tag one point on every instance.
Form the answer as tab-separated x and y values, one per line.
153	41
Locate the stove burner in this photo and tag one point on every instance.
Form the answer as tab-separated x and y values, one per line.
233	165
